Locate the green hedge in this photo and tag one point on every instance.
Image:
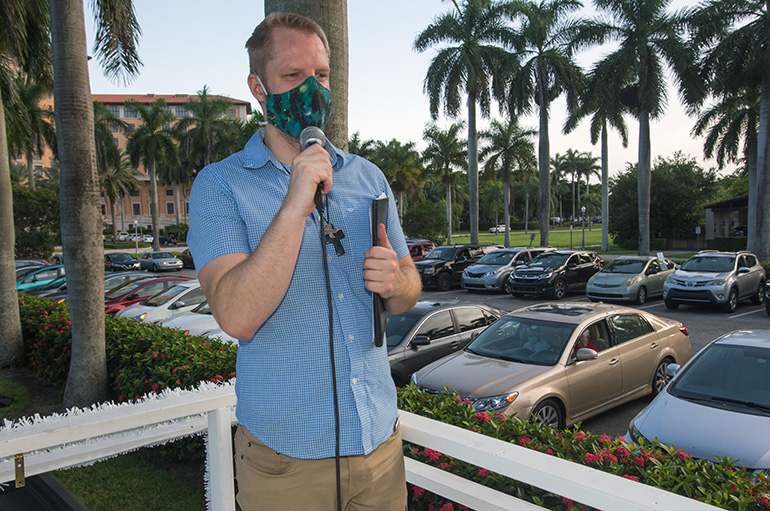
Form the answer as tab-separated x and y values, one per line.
141	357
719	484
727	243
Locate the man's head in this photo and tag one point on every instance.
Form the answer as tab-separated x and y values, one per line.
261	44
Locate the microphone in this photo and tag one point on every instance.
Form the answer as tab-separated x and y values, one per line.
307	137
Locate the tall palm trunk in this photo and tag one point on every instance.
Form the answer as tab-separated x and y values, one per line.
644	172
112	216
751	168
473	168
154	204
11	344
30	170
448	211
543	160
507	215
176	201
605	191
81	221
763	169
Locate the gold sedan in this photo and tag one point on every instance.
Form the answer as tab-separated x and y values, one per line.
561	363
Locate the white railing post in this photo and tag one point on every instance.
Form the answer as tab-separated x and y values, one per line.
219	453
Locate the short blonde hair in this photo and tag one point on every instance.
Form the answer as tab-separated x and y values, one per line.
260	44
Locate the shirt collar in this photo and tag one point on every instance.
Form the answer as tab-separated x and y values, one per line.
257	154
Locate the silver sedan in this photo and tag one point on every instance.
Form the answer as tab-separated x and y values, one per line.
160	261
630	279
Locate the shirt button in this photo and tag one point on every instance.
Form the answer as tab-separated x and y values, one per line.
340	296
355	380
350	337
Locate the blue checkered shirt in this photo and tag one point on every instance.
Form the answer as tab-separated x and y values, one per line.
283	384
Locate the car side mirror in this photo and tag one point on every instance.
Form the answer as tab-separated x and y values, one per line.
132	297
420	340
672	369
475	334
652	271
744	269
586	354
571	264
177	305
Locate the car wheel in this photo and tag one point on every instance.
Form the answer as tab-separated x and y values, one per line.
671	304
155	267
559	290
444	281
732	301
660	377
549	414
641	296
759	297
507	287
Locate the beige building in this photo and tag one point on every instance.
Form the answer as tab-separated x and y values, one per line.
136	207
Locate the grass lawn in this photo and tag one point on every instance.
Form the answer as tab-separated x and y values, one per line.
558	237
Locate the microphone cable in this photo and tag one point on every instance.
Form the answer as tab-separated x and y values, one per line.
321	202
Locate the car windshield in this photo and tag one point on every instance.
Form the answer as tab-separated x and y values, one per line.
443	253
167	295
709	264
497	258
548	260
728	376
632	266
123	290
162	255
524	340
54	283
120	257
399	325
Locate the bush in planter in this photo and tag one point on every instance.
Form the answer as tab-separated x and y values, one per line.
718	484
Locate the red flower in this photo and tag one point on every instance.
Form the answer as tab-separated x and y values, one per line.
155	387
683	455
418	491
605	439
482	416
524	440
445	466
155	355
580	436
639	461
483	472
633	478
447	507
567	502
431	454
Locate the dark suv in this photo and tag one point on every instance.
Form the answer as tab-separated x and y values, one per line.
555	273
443	266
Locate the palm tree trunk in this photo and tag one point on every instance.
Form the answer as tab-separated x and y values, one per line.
112	215
644	170
30	171
11	343
154	204
544	175
605	191
473	168
763	173
448	213
81	221
751	168
176	202
507	215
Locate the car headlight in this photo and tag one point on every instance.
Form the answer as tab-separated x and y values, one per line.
635	434
428	270
485	404
715	282
546	275
493	272
630	282
670	279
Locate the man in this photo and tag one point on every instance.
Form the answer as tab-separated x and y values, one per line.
255	235
535	341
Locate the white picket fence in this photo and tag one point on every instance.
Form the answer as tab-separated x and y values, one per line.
85	436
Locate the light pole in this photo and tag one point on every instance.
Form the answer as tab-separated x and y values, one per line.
583	242
136	239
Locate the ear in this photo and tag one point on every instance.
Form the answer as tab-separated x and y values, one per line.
256	89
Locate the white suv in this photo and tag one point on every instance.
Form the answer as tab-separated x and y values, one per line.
722	278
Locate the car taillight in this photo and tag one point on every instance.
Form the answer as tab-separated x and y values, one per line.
683	329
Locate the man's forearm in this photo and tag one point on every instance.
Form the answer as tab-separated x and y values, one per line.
407	289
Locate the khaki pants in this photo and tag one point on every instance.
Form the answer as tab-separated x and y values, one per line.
270	481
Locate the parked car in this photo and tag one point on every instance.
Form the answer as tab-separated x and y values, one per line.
630	279
120	261
443	266
199	321
147	238
555	273
182	297
418	248
53	288
157	261
111	281
497	229
527	364
186	258
429	331
167	239
25	262
721	278
137	290
40	277
718	405
491	271
738	231
123	236
767	297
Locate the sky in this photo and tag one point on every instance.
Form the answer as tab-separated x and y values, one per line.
186	44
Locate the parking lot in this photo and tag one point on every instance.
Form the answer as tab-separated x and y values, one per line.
704	324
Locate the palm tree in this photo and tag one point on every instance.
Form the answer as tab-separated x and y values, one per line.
152	139
476	34
600	98
648	37
107	152
25	45
363	148
737	33
332	15
401	165
115	47
205	126
33	126
510	156
547	70
729	124
569	164
118	181
445	152
173	171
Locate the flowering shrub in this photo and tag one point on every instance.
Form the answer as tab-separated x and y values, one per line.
141	357
719	484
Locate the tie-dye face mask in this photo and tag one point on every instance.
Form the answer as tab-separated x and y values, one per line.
308	104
